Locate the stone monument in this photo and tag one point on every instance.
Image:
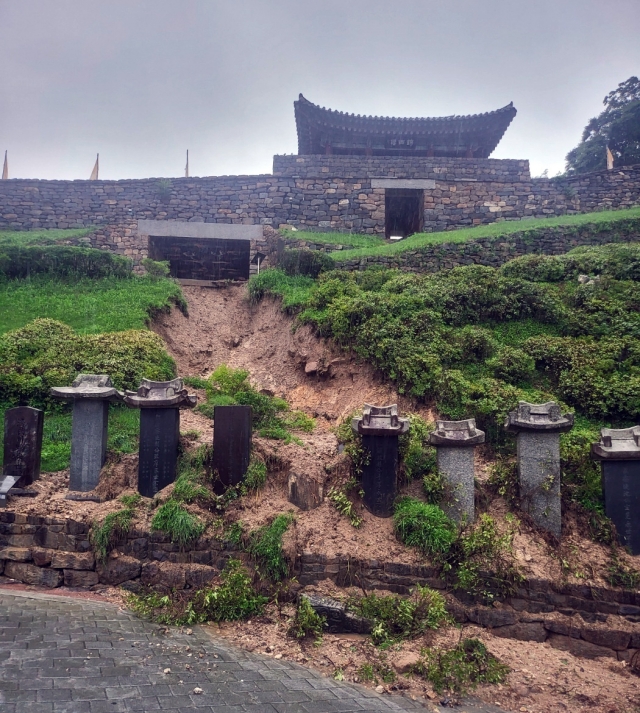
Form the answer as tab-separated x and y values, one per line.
619	452
90	394
455	443
159	403
22	448
231	443
539	427
380	427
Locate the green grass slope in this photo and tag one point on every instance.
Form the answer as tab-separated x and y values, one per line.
462	235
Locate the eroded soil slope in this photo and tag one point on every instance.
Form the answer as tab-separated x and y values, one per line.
224	327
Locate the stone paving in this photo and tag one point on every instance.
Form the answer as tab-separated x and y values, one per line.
66	655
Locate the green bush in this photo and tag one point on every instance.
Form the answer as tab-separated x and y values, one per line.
255	477
105	535
265	546
512	365
61	261
271	416
340	501
176	521
307	622
233	599
423	525
461	668
46	353
397	618
156	268
304	262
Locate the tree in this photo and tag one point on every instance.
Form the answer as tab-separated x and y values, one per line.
617	127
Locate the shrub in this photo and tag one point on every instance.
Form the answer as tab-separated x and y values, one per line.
61	261
156	268
512	365
255	477
307	622
304	262
398	617
176	521
461	668
46	353
232	600
265	546
424	526
340	500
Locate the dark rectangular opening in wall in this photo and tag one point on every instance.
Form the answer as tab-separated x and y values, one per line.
202	258
404	211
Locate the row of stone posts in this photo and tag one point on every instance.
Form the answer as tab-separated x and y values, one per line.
537	428
159	403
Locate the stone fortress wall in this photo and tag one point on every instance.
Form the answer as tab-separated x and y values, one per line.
328	193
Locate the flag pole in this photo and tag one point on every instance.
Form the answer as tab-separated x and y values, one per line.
186	168
96	169
5	168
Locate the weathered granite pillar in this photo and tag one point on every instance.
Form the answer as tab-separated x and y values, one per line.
539	427
22	448
231	443
619	452
380	427
455	443
90	394
159	403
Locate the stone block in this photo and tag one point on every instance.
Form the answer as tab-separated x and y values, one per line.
491	618
305	491
73	560
163	576
16	554
80	579
117	570
88	443
565	628
579	647
522	631
199	576
611	638
30	574
41	557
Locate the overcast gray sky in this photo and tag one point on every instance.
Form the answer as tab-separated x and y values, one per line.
140	81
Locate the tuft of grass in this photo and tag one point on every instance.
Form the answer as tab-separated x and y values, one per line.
307	622
354	240
106	534
461	668
491	230
42	237
176	521
621	575
255	477
265	546
343	505
425	526
294	290
234	599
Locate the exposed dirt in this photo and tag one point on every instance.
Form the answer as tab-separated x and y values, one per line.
542	680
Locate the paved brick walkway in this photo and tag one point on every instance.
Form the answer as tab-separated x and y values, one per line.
65	655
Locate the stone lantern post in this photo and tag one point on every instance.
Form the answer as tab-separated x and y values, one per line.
539	427
455	443
90	394
159	403
619	453
380	428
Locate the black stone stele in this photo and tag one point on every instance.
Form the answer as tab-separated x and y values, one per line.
380	427
90	395
231	443
619	452
159	402
22	444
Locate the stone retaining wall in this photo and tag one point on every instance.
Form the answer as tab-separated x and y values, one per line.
50	552
496	251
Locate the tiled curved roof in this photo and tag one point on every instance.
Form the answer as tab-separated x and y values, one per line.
482	132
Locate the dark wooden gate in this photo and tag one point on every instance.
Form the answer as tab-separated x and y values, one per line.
203	258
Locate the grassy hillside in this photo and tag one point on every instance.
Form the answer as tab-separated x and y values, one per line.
356	240
474	340
65	310
462	235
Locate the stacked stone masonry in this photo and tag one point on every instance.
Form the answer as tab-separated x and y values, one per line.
314	193
51	552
